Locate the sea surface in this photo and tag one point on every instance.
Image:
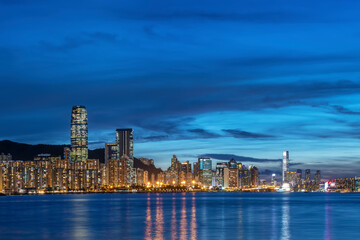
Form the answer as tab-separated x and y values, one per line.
181	216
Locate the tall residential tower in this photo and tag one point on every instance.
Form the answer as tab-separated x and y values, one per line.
285	165
125	142
79	134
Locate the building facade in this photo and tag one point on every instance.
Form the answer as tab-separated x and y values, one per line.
79	134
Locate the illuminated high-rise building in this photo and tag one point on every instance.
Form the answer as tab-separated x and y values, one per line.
205	171
273	179
79	134
307	176
219	177
285	165
125	142
317	177
110	152
175	163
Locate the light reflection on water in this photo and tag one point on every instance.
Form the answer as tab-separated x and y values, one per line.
79	220
181	216
285	220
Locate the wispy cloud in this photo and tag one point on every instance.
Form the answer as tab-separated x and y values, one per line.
228	157
244	134
80	40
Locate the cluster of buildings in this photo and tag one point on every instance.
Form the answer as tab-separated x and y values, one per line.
226	175
342	185
295	181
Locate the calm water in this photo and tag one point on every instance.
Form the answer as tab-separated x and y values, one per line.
181	216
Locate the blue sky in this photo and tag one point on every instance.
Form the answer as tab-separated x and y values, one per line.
243	78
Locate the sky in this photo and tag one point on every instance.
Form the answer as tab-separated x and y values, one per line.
225	79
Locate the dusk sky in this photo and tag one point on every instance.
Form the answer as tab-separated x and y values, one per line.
217	78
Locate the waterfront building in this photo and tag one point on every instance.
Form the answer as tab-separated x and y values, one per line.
244	176
79	134
172	177
161	178
139	177
317	178
125	142
116	173
292	180
125	150
175	164
285	165
273	179
231	176
153	179
185	173
357	184
299	173
61	176
307	177
196	169
254	176
146	177
219	175
111	153
205	171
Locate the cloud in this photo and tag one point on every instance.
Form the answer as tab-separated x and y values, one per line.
155	138
343	110
103	36
202	133
246	17
80	40
243	134
228	157
68	43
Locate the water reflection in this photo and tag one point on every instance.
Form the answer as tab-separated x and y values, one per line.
240	222
285	220
327	234
148	221
79	219
193	224
159	225
274	232
183	221
173	219
188	224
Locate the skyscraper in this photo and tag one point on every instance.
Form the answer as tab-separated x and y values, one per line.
285	165
307	176
125	150
110	152
219	177
317	177
205	171
79	134
125	142
175	163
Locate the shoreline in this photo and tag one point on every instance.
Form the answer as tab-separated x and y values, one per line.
151	192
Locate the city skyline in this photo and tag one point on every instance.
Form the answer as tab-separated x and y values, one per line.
124	147
191	79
